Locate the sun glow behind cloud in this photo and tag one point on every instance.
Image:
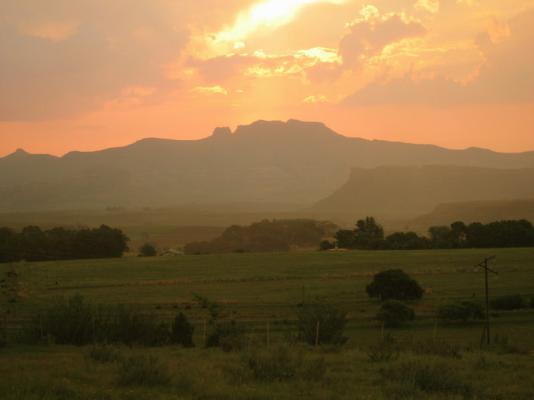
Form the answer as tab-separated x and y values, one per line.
268	14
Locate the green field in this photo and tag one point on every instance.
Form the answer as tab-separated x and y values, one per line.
264	292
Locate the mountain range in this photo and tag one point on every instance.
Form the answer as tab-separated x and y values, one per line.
291	162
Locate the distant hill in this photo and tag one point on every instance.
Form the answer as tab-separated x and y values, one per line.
475	211
270	162
411	191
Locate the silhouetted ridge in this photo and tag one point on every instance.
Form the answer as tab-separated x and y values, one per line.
267	161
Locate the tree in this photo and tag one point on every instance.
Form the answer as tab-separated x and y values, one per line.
345	239
394	313
322	319
394	284
9	246
368	234
147	250
440	236
406	241
182	331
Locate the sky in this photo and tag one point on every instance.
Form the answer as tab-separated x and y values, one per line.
91	74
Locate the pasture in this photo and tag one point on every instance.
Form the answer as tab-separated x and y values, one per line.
263	292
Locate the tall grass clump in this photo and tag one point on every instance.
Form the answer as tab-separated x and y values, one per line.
385	350
143	370
282	364
103	353
419	377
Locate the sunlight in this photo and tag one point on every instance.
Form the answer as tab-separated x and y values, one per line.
266	14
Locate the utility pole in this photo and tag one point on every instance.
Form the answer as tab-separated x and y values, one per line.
485	265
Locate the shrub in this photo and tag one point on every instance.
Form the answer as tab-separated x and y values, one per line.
68	321
143	371
229	336
282	364
323	317
182	331
148	250
394	284
394	313
387	349
104	354
427	377
75	321
508	303
326	245
532	302
461	312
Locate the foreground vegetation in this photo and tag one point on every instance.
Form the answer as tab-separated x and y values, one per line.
266	295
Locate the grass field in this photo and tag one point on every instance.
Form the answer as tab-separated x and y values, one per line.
261	290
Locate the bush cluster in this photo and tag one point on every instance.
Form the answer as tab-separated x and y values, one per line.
78	322
265	236
462	311
508	303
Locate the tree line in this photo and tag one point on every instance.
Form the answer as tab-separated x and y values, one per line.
369	235
265	236
35	244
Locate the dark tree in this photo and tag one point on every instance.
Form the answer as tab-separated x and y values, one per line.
394	284
368	234
9	246
406	241
148	250
345	239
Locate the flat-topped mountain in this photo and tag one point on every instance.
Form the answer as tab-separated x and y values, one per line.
282	162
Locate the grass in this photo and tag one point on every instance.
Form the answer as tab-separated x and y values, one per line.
263	292
256	288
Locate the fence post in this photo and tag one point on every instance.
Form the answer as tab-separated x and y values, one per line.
317	329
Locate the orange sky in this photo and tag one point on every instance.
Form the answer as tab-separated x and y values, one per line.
92	74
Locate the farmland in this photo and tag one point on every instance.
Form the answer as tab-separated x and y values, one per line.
263	292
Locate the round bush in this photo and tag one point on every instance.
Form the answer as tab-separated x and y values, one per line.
394	313
394	284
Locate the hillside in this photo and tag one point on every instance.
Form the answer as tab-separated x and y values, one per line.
412	191
475	211
282	162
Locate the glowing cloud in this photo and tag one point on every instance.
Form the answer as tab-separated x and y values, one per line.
265	14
